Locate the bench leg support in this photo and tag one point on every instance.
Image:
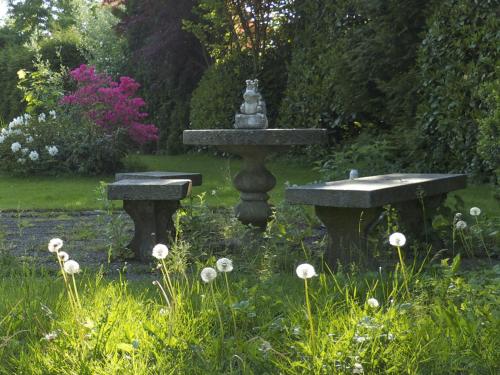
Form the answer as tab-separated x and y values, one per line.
416	215
152	224
347	233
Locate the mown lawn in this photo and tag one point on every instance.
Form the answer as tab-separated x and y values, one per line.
77	193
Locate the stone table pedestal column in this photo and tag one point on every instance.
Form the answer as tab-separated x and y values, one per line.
254	181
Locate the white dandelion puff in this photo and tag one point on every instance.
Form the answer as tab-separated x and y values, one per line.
357	368
224	265
305	271
373	303
475	211
55	244
208	274
397	239
63	256
461	225
71	267
160	251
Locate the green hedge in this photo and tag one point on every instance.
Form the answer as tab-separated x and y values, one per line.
12	59
457	58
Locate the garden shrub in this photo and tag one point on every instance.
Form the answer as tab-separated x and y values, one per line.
30	144
12	59
219	94
457	57
488	120
353	61
110	105
370	153
62	50
87	131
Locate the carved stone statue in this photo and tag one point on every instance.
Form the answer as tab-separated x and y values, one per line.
253	109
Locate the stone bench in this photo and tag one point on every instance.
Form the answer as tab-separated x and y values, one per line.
150	203
349	208
196	178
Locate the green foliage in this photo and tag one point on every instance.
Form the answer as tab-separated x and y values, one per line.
219	94
353	61
89	151
488	120
62	50
457	58
101	43
82	146
253	319
370	154
42	87
12	59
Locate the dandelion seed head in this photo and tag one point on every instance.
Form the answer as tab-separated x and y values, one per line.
357	368
397	239
50	336
63	256
160	251
475	211
305	271
373	303
461	225
265	346
71	267
208	274
55	244
224	265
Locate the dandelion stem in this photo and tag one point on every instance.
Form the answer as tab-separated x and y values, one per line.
309	315
76	292
403	269
163	293
66	284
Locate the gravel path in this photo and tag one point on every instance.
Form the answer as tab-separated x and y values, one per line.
25	235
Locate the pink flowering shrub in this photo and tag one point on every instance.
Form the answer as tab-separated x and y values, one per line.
111	105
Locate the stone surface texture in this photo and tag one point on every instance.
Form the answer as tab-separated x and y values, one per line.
150	189
259	137
196	178
350	209
375	191
150	203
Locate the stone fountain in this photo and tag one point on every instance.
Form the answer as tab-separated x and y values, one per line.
253	141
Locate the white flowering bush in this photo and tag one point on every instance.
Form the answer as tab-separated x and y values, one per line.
30	144
58	141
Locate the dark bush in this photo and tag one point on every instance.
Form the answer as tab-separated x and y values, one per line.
457	57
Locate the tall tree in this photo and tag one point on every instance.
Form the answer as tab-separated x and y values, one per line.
167	60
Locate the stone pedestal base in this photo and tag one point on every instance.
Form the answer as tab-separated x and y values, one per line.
253	182
153	224
347	233
416	215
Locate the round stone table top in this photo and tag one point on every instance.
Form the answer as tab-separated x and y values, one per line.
254	137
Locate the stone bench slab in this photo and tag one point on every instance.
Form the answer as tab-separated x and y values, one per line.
149	189
258	137
375	191
195	178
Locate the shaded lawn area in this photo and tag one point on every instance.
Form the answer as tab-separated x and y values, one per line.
79	193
